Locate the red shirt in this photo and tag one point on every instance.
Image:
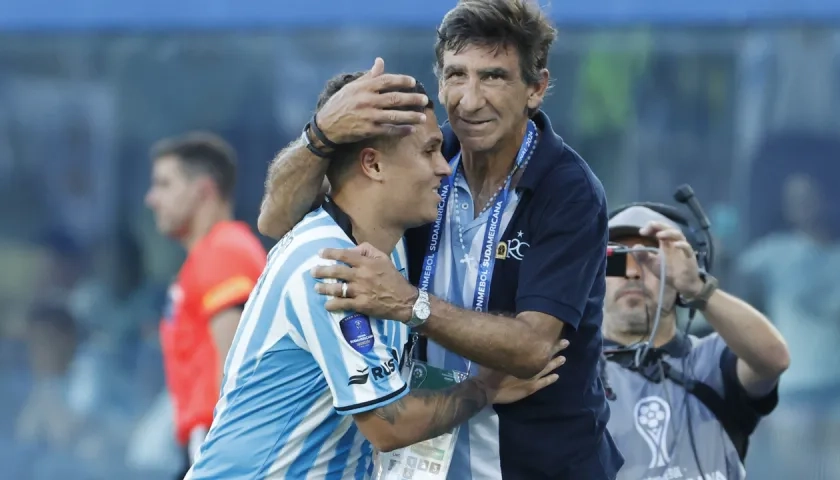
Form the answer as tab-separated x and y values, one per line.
219	273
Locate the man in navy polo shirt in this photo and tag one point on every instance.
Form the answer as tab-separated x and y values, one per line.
516	259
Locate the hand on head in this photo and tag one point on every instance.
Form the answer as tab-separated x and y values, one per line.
369	107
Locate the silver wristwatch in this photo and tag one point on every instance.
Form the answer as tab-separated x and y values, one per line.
421	310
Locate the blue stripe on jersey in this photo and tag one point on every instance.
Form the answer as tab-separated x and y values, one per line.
345	444
244	440
314	443
294	392
276	418
266	315
361	471
317	439
272	257
294	320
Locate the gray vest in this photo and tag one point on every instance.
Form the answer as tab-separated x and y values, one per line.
652	423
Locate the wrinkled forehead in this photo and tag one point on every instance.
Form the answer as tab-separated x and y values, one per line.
480	55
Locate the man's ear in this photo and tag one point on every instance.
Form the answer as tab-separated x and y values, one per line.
370	161
206	186
536	92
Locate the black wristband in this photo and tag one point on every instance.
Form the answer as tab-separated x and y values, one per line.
312	148
699	302
316	130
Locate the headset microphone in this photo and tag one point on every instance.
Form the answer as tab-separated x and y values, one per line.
685	195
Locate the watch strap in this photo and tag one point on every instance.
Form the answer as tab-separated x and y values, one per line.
310	146
316	130
699	302
415	320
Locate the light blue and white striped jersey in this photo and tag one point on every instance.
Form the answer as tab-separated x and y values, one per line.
295	373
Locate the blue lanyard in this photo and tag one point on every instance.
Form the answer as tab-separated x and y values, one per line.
488	251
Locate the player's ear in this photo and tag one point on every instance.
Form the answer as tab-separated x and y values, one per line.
208	187
370	160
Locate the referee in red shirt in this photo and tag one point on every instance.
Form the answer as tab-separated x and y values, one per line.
193	178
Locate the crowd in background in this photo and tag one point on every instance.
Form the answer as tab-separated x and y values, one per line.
748	117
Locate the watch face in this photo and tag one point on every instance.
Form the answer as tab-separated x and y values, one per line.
422	311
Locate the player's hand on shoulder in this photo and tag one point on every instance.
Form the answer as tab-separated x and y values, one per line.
509	389
367	107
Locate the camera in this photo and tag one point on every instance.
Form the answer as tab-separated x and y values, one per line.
616	262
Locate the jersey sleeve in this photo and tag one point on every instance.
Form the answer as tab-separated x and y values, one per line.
227	277
359	356
715	364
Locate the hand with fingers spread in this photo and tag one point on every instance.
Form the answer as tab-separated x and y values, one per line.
510	389
370	107
368	284
681	269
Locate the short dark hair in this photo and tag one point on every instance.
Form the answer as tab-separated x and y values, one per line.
345	156
202	152
499	24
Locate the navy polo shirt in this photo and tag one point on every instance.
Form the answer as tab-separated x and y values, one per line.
560	432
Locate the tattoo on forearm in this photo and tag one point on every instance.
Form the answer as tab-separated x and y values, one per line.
452	406
392	411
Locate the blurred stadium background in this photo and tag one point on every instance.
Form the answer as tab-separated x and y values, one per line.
740	98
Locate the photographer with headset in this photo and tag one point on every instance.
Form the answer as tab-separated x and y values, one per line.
682	407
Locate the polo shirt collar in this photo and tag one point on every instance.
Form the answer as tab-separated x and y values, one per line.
548	147
677	347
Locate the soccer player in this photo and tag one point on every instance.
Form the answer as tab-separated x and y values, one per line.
193	178
308	393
